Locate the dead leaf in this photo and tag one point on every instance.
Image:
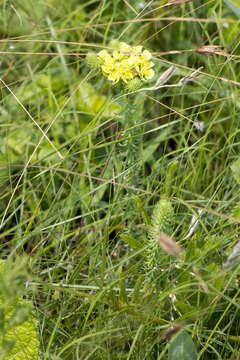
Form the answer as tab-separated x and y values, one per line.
168	334
192	77
210	49
165	76
177	2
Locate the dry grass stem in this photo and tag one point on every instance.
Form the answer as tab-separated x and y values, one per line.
169	245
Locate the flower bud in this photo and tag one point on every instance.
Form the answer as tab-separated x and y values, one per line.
114	44
133	85
92	61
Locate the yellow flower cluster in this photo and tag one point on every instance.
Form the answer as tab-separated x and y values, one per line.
126	63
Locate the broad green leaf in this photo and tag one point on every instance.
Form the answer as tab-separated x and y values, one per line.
234	5
112	110
182	347
89	101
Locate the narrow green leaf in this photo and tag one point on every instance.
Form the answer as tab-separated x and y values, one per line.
135	244
236	211
153	144
123	293
234	5
236	170
136	292
147	297
170	177
141	210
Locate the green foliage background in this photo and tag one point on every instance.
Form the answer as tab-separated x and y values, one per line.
83	218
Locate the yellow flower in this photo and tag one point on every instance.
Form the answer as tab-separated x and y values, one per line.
128	75
149	74
115	76
117	55
108	64
126	63
103	54
137	49
146	55
124	47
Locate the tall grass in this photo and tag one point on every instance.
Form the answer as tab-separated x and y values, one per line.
83	164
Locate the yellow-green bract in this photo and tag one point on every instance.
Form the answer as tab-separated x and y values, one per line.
162	221
24	336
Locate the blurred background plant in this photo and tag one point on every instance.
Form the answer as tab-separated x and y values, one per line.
19	338
79	200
